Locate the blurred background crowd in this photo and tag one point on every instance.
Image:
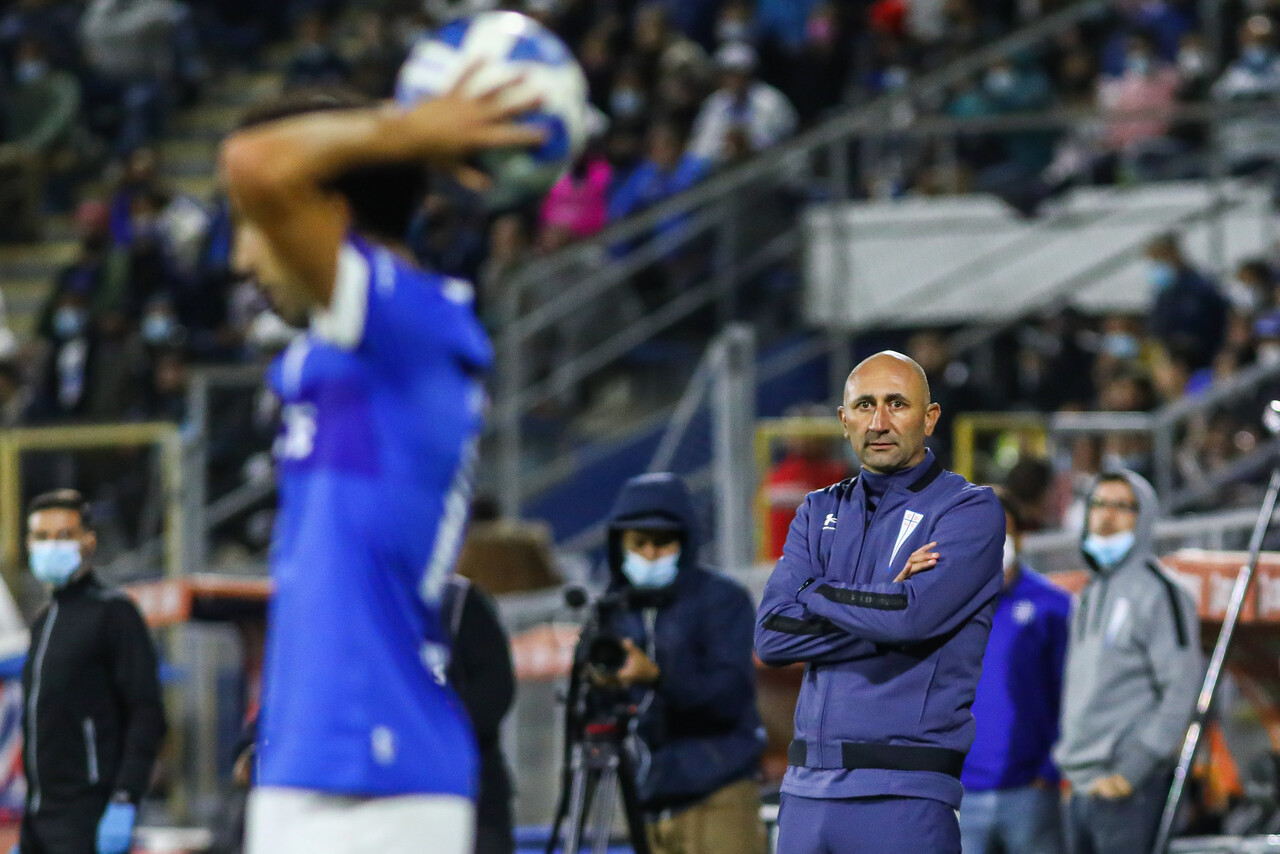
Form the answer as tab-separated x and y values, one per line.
94	92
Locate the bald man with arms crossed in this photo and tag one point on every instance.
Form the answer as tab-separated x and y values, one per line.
891	631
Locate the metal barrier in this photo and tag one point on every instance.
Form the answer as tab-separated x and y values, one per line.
719	246
13	443
1163	428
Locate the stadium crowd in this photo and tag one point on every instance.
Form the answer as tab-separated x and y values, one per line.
682	90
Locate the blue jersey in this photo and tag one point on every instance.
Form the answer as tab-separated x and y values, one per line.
382	406
1016	707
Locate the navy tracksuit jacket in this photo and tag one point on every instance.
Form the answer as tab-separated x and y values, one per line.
891	668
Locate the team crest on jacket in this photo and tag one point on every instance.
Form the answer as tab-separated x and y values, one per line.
1024	611
910	519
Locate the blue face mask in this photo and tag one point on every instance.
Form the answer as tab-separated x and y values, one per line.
1256	56
1161	275
1109	551
647	574
55	561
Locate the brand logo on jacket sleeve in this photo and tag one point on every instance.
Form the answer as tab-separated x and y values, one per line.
830	523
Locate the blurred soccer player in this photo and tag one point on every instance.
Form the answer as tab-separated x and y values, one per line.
362	745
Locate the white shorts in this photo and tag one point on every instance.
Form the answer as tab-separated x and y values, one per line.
304	821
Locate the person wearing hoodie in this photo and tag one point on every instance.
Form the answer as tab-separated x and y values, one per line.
1133	671
687	632
891	632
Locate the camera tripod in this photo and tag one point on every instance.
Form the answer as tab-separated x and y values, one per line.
598	769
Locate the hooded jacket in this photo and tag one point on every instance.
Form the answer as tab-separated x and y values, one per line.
891	667
699	729
1134	664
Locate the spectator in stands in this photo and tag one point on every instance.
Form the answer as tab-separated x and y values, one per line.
15	396
316	62
375	57
579	202
951	385
1147	85
1161	23
1187	312
1010	782
657	45
166	395
688	637
741	101
781	26
37	114
1133	669
69	368
139	53
140	174
667	170
52	23
818	74
1253	290
444	237
1250	142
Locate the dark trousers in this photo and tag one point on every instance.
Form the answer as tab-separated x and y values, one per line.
1121	826
881	825
63	828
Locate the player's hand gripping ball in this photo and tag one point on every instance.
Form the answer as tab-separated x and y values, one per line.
500	47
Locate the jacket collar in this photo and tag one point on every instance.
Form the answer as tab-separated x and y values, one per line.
915	479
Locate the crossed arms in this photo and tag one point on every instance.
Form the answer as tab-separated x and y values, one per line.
805	617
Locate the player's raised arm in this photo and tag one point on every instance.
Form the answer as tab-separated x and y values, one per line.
278	172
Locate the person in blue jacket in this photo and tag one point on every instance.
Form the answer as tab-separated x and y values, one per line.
687	632
891	632
1010	781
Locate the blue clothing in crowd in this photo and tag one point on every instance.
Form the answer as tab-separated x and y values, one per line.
649	184
1020	692
892	667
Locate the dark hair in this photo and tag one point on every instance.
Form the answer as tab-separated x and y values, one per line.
63	499
1011	507
1029	479
383	198
1115	477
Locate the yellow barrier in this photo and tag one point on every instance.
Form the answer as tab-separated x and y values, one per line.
1031	428
13	443
967	431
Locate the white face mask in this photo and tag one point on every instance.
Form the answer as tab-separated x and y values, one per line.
1010	552
645	574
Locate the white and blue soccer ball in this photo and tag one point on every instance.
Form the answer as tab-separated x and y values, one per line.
508	45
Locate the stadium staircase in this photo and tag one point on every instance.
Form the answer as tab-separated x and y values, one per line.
188	154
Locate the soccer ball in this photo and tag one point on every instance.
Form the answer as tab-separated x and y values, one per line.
508	45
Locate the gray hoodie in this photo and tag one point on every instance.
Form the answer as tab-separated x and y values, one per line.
1134	664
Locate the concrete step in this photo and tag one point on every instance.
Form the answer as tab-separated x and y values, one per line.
34	260
240	89
25	296
205	122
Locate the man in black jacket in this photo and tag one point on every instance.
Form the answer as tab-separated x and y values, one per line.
480	671
92	719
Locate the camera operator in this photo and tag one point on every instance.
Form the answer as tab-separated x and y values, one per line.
687	633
